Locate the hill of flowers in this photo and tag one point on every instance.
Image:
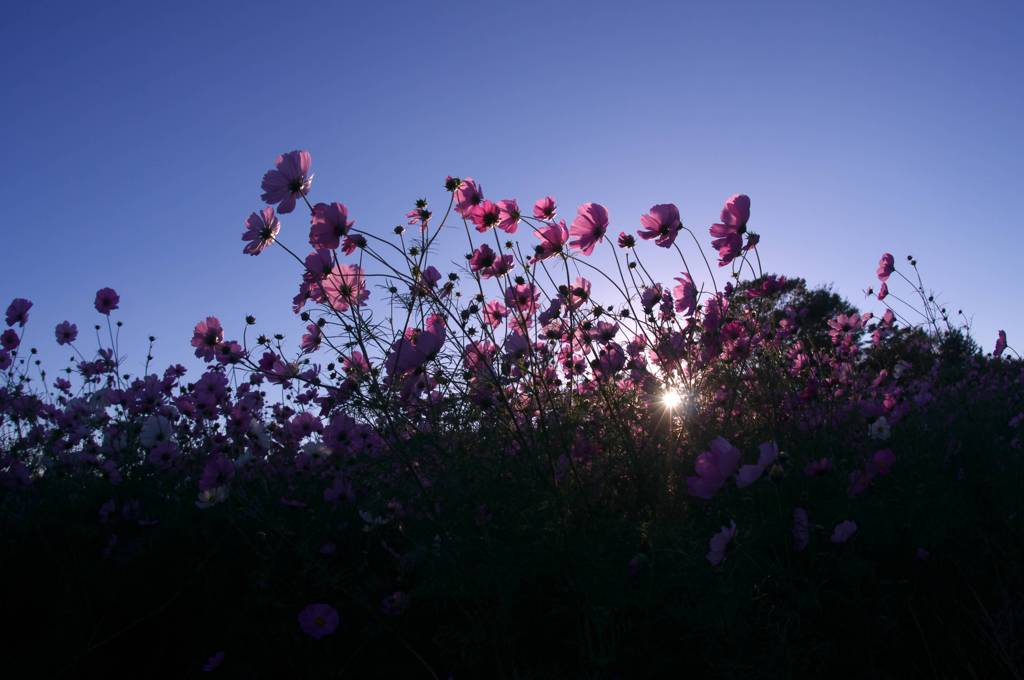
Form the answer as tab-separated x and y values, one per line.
477	469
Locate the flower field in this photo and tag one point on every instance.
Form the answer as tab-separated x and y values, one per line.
509	458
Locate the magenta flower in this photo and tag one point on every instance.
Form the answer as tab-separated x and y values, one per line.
886	266
218	471
485	215
661	223
589	227
9	339
844	531
291	180
718	544
468	195
106	300
311	340
552	241
883	460
328	225
17	312
352	242
318	620
544	209
626	240
883	291
261	229
713	468
729	232
1000	343
523	297
346	287
5	360
214	662
749	474
801	529
685	295
494	313
486	262
206	336
508	215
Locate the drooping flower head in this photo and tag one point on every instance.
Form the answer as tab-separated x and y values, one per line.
718	544
508	215
17	312
289	181
544	209
552	241
844	531
886	266
589	227
107	300
9	340
328	224
1000	344
685	295
261	229
728	234
468	195
662	223
318	620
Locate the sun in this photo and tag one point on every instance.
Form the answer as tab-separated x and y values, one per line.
671	398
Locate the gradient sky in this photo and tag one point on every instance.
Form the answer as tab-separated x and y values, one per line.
136	137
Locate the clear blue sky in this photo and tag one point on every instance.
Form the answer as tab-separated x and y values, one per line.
135	136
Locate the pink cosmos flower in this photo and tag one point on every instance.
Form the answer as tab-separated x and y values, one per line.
17	312
229	352
818	467
318	620
486	262
589	227
352	242
9	339
485	215
728	234
883	291
749	474
718	544
291	180
5	360
345	287
261	229
329	223
544	209
206	337
523	297
552	241
1000	344
213	662
468	195
578	293
801	529
311	340
508	215
66	332
886	266
494	313
883	460
713	468
662	223
685	295
844	531
106	300
218	471
626	240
